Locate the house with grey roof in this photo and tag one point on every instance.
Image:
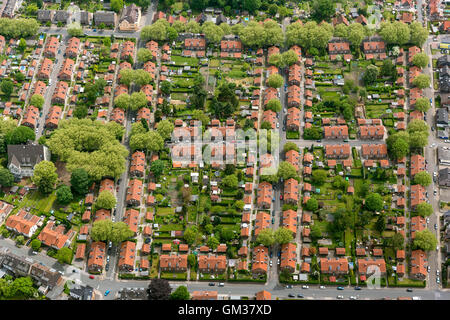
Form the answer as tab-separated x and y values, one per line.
444	177
61	16
108	18
85	18
45	15
22	158
79	292
442	118
11	7
130	18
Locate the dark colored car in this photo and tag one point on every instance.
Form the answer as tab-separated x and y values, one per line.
409	290
291	295
300	296
357	288
211	284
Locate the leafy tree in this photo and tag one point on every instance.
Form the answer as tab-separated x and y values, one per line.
398	145
179	26
422	81
37	100
157	168
225	28
319	176
424	209
418	140
283	236
116	5
397	241
380	225
374	202
144	55
422	104
230	181
126	76
20	240
18	27
315	233
213	242
7	87
312	205
75	30
165	129
6	178
141	77
417	125
123	101
275	80
64	255
274	105
286	171
423	178
371	74
156	31
79	181
388	69
165	87
159	289
322	10
421	59
64	195
266	237
45	176
213	33
397	32
193	27
180	293
356	34
340	183
252	5
192	260
137	100
106	200
418	33
288	146
106	230
276	60
425	240
190	234
35	244
312	133
20	135
289	57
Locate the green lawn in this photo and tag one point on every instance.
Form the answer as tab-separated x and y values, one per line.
164	211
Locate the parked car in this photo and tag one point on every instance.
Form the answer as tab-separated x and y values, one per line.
340	297
435	226
221	284
357	288
322	287
437	272
428	269
147	240
289	286
91	277
409	290
291	295
211	284
107	292
340	288
305	287
353	298
438	280
107	267
300	295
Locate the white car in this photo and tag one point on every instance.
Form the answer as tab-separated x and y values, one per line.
353	298
270	263
428	269
322	287
428	220
447	141
437	272
305	287
340	297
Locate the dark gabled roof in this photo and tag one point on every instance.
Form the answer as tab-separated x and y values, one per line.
444	177
130	14
104	16
61	15
442	116
44	14
25	154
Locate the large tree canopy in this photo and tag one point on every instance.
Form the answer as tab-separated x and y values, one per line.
91	145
